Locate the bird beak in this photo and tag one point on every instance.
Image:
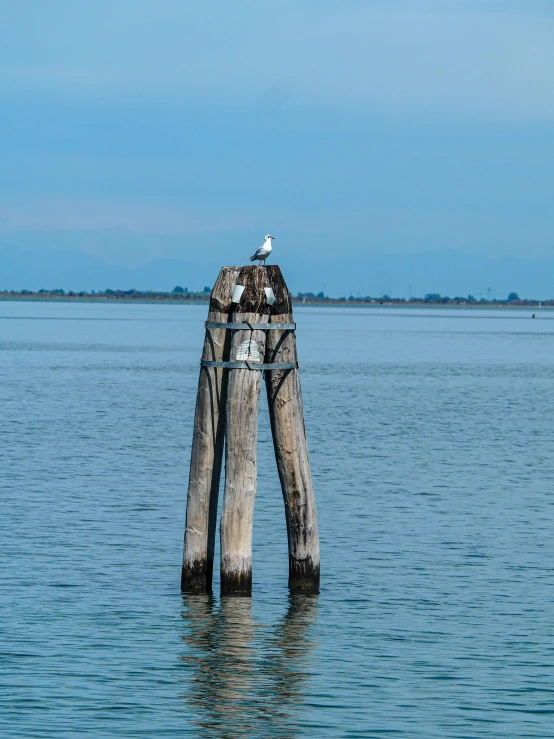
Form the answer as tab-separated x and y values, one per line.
272	237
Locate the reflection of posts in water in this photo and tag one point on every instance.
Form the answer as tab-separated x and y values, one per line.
246	680
235	657
219	639
292	647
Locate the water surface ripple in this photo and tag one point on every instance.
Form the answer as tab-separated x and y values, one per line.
430	435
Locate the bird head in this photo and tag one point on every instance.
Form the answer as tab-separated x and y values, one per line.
269	236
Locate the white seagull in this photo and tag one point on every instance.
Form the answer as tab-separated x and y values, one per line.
263	251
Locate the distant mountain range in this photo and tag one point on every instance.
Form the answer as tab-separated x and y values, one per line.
448	272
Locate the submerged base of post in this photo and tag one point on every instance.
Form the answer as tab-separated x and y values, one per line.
303	575
236	583
197	578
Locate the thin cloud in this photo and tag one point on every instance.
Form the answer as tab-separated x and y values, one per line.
474	59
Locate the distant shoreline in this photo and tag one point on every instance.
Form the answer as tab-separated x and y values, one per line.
202	298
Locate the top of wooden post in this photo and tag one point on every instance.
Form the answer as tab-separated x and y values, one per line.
220	299
253	300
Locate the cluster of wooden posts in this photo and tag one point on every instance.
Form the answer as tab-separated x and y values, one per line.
249	332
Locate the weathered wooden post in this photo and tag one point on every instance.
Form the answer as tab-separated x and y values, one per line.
258	336
286	412
248	345
207	444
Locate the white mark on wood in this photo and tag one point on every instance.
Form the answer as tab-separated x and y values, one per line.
270	295
237	293
248	352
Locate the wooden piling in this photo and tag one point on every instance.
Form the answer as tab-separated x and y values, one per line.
207	444
291	450
227	410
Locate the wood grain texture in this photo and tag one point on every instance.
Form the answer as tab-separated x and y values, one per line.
207	444
291	451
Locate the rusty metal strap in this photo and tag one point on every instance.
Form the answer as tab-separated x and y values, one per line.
249	365
253	326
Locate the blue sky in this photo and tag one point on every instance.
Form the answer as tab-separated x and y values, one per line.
341	127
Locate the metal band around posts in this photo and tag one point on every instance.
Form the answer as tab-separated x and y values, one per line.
249	365
253	326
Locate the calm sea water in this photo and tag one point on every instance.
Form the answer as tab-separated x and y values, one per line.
430	434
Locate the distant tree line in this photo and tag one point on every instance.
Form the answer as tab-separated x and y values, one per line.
183	293
428	299
178	293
